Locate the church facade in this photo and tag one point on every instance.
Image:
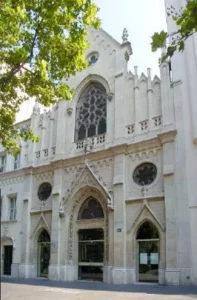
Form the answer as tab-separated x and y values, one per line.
109	191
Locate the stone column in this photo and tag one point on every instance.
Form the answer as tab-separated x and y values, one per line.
119	107
54	268
150	100
166	98
119	274
27	269
60	132
137	101
172	271
34	125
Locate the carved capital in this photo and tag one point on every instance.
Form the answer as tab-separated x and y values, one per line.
110	96
69	111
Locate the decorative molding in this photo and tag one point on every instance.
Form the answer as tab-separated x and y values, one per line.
146	207
167	137
6	236
91	78
73	169
37	212
12	181
88	177
41	223
101	164
43	176
69	111
144	155
153	198
110	96
73	218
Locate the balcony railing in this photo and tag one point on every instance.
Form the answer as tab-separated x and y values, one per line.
93	141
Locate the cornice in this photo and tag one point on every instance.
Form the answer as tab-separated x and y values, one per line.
37	212
12	174
148	198
126	146
167	137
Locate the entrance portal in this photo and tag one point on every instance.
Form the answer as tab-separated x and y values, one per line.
8	251
148	253
43	254
91	241
91	254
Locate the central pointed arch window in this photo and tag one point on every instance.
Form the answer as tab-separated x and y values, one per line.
91	112
91	209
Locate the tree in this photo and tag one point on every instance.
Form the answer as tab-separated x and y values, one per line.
186	21
42	44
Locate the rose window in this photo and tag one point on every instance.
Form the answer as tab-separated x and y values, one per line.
145	174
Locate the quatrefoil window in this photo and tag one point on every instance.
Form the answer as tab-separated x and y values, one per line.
91	112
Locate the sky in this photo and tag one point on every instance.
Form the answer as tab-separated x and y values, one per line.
141	18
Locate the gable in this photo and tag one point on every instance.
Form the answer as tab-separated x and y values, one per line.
88	178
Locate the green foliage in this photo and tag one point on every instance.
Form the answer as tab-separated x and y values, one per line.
186	21
42	44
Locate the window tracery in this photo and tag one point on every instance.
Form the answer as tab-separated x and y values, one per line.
91	112
91	209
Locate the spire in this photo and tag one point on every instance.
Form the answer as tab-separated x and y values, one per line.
125	36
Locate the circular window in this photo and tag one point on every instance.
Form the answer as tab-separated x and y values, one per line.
145	174
44	191
92	58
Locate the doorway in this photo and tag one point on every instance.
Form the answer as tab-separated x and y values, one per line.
91	254
8	253
43	254
148	253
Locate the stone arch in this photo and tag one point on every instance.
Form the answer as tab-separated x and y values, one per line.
144	220
41	232
8	240
88	80
91	111
77	200
90	209
34	243
132	242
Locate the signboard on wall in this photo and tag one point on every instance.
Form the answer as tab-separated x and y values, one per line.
143	258
154	258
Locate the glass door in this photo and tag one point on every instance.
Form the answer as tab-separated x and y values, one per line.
91	254
148	258
44	258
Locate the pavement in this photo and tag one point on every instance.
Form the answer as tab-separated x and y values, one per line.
44	289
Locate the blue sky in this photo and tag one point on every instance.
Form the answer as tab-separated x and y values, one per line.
142	18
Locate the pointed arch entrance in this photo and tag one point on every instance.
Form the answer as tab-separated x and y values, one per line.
91	241
148	244
43	253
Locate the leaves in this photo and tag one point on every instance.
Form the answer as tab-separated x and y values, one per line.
158	40
186	21
42	44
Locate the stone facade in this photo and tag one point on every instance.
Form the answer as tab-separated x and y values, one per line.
148	120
